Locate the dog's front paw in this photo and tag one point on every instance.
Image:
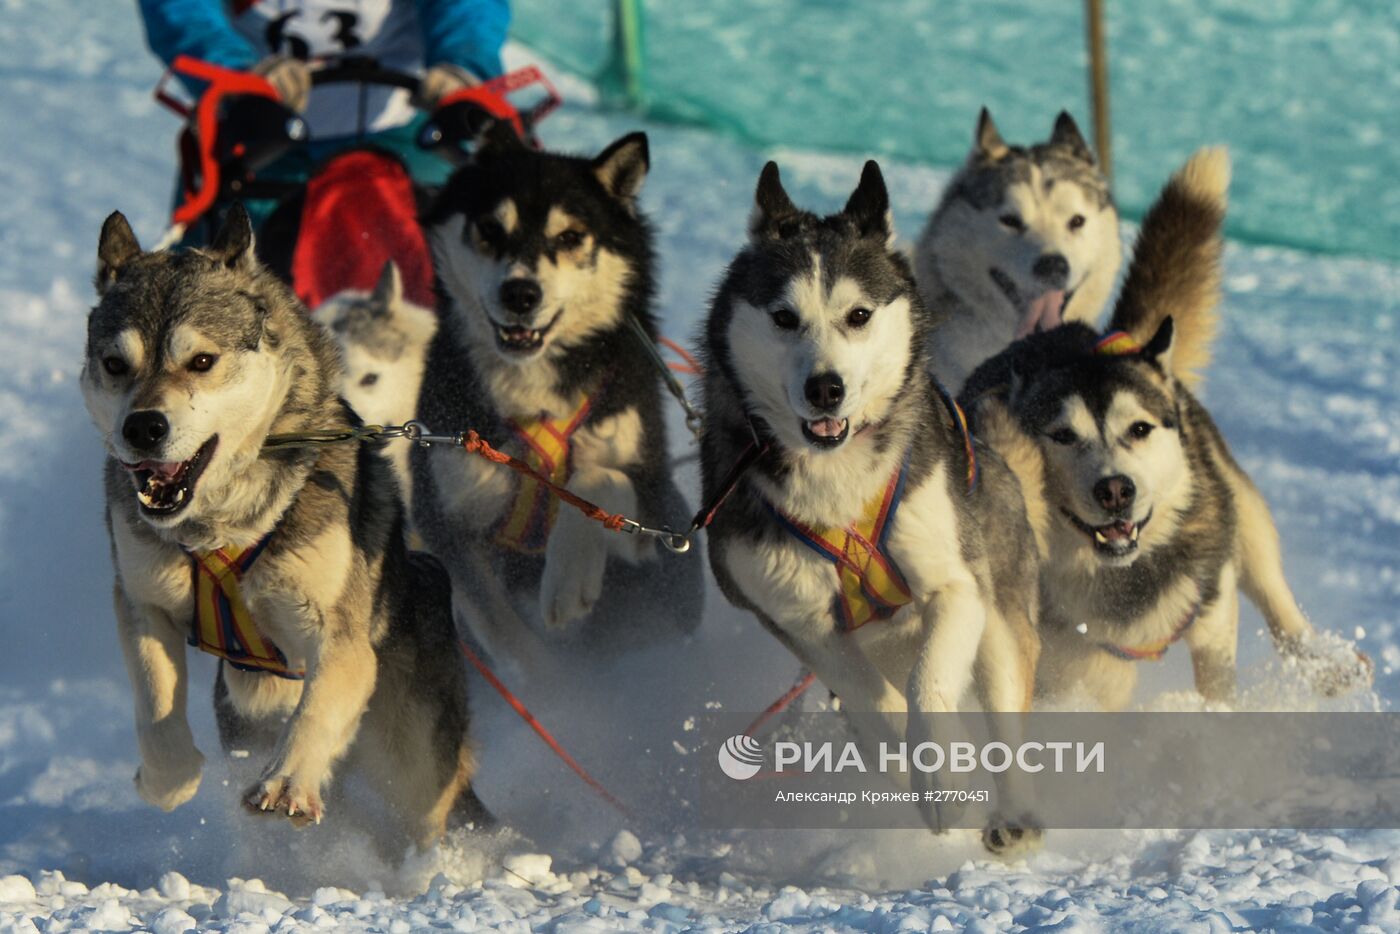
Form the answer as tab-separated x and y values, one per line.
574	564
1010	838
284	794
1334	678
1334	666
167	786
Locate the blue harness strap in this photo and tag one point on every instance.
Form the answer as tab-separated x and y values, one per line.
959	417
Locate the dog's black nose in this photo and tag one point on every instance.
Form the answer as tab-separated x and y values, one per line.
1052	268
825	391
1115	493
145	430
521	296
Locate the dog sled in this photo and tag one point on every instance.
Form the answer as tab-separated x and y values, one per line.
331	215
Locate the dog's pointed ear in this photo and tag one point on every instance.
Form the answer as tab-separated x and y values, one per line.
388	291
987	142
1159	349
116	247
622	167
233	244
869	205
774	215
1066	133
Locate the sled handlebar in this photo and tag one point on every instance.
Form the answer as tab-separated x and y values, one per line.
357	70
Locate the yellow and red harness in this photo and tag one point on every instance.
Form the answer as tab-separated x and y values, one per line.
222	624
525	528
1117	344
872	586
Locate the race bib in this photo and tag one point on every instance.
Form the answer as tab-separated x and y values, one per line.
384	30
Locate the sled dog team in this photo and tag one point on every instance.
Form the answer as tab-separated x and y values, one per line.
1073	512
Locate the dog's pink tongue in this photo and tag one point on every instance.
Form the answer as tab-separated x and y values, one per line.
163	469
1117	530
1043	313
825	427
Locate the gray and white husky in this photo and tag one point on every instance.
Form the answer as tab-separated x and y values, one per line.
383	341
287	562
543	258
869	536
1146	525
1022	239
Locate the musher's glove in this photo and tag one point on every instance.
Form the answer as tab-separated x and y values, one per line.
289	77
440	81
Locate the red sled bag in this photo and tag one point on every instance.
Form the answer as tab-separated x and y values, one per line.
360	211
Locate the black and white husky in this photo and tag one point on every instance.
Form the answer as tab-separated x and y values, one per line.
869	537
543	259
1147	526
1023	238
289	563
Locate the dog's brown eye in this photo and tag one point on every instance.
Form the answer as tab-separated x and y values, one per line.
369	379
1012	222
202	362
857	317
1076	222
116	366
490	230
1140	430
1063	436
785	319
569	240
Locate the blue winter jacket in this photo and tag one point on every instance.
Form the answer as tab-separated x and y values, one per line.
467	33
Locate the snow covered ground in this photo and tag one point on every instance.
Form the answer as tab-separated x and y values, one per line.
1303	387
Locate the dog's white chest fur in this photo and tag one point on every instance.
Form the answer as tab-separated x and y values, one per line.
798	588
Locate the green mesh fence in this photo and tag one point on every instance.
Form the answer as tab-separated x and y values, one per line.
1303	91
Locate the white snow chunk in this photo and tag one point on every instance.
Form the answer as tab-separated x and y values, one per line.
626	849
251	898
172	920
16	889
108	916
789	903
174	886
528	869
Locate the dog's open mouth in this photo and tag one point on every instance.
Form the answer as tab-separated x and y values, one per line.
514	339
826	432
163	488
1117	539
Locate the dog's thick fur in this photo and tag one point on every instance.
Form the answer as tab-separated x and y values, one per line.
222	350
384	341
1129	571
1023	238
811	297
569	233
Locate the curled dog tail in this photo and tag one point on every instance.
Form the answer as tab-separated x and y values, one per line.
1176	263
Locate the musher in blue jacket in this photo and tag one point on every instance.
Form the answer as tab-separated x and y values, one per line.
452	44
